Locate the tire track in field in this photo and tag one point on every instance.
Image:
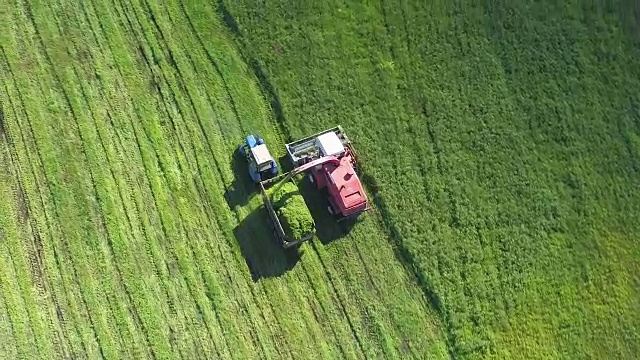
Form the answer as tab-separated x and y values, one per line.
341	301
217	69
163	103
174	95
167	112
200	188
376	290
11	347
336	296
139	210
59	312
34	253
2	128
157	206
267	88
223	339
319	319
11	321
120	282
149	66
48	217
225	85
22	267
236	214
83	150
130	303
171	302
312	318
181	78
340	297
130	221
56	78
199	119
36	262
18	267
111	255
411	264
153	355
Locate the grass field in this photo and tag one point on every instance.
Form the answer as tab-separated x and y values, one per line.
500	145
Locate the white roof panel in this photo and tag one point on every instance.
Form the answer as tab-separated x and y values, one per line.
261	154
330	144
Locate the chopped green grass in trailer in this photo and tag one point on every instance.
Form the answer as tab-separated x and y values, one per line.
281	192
292	211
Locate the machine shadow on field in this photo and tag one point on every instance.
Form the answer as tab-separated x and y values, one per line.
328	229
240	191
285	163
264	256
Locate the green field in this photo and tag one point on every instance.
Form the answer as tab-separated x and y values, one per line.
499	144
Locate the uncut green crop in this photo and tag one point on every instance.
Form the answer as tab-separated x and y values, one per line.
500	143
130	230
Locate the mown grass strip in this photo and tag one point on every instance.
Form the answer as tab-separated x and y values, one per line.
78	113
200	120
145	212
28	265
187	269
14	277
141	254
28	105
31	244
93	140
8	347
18	318
52	273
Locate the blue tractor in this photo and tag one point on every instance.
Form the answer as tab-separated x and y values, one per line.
262	166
